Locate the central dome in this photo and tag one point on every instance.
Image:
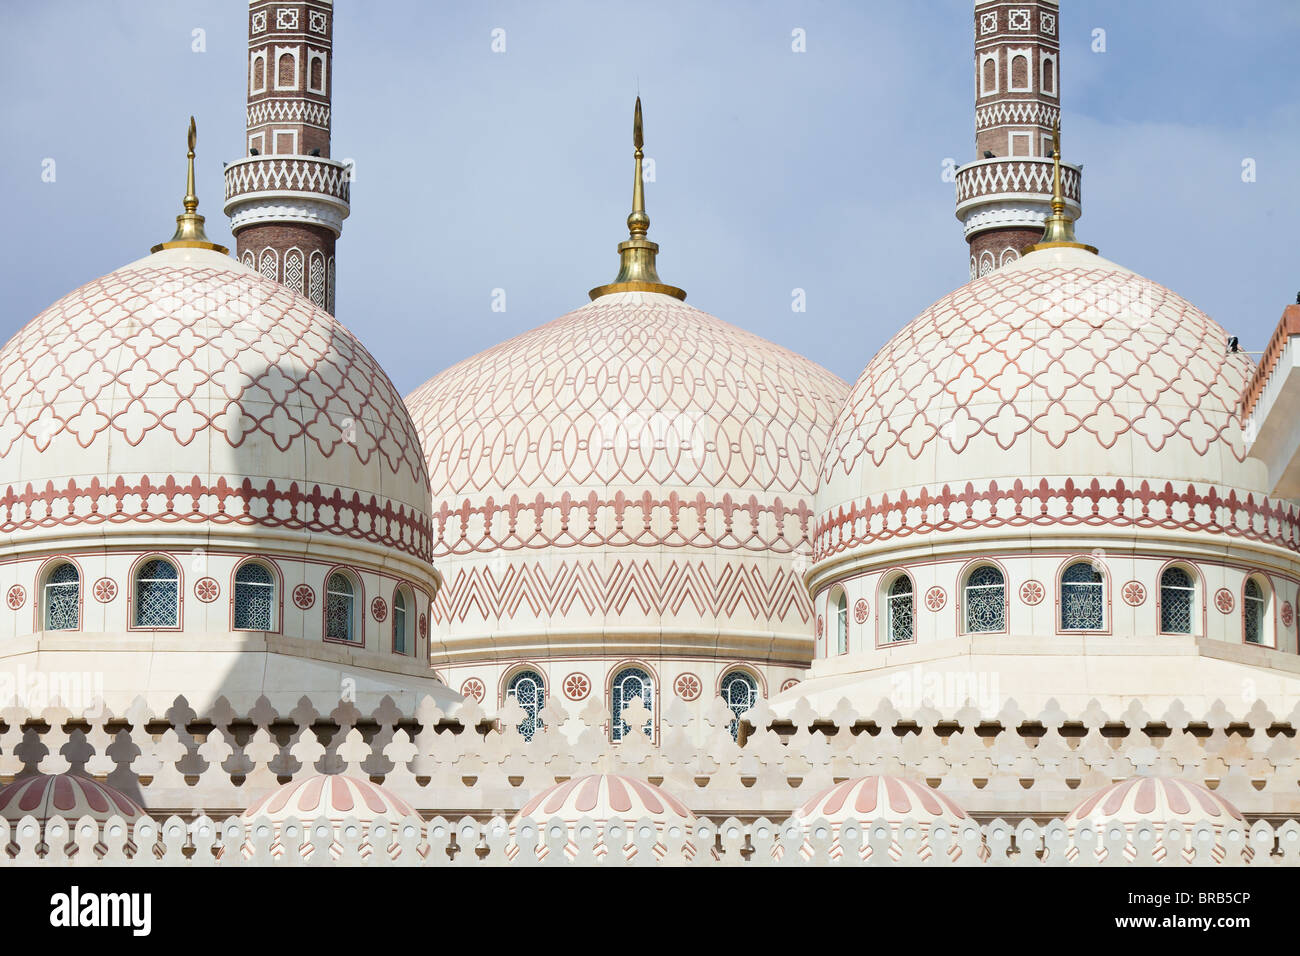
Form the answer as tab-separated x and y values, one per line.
635	465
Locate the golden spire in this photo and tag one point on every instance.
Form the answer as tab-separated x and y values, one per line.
189	224
1058	230
636	270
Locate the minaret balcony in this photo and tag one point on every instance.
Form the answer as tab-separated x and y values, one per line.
288	188
1012	192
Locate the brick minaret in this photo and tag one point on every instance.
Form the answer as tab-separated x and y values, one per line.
1004	196
287	199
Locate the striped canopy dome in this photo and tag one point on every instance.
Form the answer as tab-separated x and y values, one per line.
66	795
602	797
867	799
332	795
1158	800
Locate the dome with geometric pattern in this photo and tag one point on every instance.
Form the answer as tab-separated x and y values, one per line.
634	466
185	391
66	795
1023	387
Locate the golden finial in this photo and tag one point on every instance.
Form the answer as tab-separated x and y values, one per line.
1058	230
189	224
636	272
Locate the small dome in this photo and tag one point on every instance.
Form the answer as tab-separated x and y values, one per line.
602	797
332	795
66	795
185	390
894	799
1158	800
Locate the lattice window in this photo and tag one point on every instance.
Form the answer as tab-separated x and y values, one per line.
293	270
62	598
254	598
1083	597
270	266
340	602
157	595
1252	610
740	693
318	279
528	690
631	682
1177	595
842	624
901	609
399	622
986	604
329	286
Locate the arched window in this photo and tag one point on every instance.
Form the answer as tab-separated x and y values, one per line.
986	605
254	598
340	604
529	691
399	622
1019	73
630	682
1177	595
1083	606
901	610
62	598
841	624
157	595
1253	606
286	72
740	693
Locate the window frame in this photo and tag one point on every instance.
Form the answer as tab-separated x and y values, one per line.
1198	604
277	594
43	574
962	604
759	688
1106	609
885	608
514	674
839	599
409	615
612	679
1268	626
133	591
358	628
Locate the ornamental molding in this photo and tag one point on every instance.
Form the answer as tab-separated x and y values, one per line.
1060	504
258	208
1016	113
257	178
1000	178
178	501
626	589
1009	214
289	110
622	519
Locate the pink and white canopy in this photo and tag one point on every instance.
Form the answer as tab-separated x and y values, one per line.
335	796
869	798
1156	799
66	795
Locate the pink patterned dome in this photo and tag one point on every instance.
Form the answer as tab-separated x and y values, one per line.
1001	405
66	795
876	797
602	797
185	390
332	795
1158	800
636	461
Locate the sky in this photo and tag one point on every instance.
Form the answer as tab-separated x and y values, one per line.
775	170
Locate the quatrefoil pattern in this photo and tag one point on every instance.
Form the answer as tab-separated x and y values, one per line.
1035	357
214	358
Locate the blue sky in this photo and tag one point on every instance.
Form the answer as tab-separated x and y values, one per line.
774	170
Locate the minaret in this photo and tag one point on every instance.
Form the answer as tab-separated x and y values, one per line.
287	199
1005	195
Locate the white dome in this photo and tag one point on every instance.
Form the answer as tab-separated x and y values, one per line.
185	393
1022	388
635	465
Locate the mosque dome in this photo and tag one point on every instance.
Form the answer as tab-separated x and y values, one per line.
1163	801
334	797
602	797
186	394
634	477
880	797
66	795
1023	387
